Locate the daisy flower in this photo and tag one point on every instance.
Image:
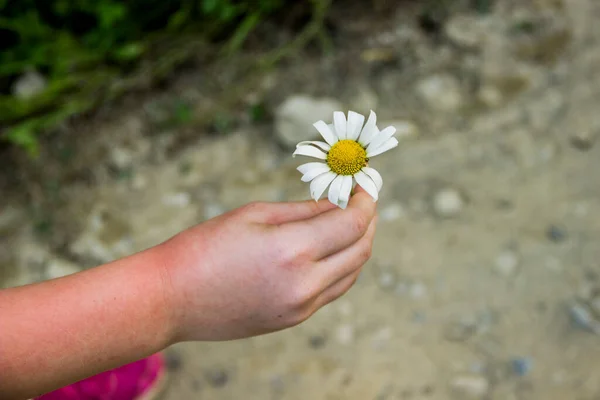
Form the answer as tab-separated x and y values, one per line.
345	153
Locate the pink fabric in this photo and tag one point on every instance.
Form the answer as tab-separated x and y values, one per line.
124	383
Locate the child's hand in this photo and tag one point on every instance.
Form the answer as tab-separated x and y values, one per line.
265	266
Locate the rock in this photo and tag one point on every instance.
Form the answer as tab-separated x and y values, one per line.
440	92
212	210
583	318
506	263
392	212
57	268
521	366
29	85
317	341
465	31
404	129
364	101
418	290
448	203
121	157
180	200
345	334
387	280
556	234
217	378
583	140
490	96
294	119
470	386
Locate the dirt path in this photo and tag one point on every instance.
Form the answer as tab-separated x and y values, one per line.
485	270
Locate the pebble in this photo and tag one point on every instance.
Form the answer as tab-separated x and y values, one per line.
521	366
295	117
29	85
179	200
440	92
583	140
448	203
506	263
470	386
121	157
217	378
57	268
387	280
465	31
582	318
392	212
556	234
345	334
317	341
418	290
212	210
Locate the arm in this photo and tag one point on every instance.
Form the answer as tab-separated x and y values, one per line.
57	332
258	269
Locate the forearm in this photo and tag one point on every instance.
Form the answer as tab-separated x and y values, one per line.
58	332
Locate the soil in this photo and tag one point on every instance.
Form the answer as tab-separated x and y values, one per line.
485	274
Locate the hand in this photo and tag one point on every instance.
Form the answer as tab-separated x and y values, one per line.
265	266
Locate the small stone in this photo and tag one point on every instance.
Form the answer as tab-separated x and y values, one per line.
121	157
345	334
490	96
217	378
317	341
521	366
441	92
57	268
470	386
294	119
212	210
582	318
392	212
583	140
459	331
556	233
139	182
448	203
180	200
29	85
418	290
465	31
387	280
173	360
506	263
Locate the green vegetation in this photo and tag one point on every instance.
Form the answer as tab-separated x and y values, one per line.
90	52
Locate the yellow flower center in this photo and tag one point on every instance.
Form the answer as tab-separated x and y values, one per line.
347	157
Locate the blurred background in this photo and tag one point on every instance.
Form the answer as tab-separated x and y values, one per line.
123	123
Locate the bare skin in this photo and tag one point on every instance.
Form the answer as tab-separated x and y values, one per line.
257	269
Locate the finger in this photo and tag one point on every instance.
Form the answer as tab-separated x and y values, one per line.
284	212
331	231
337	290
335	267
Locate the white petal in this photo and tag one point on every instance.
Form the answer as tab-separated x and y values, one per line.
390	144
339	121
369	130
304	168
335	189
326	131
375	176
314	172
367	183
345	190
320	183
310	151
321	145
354	126
381	138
